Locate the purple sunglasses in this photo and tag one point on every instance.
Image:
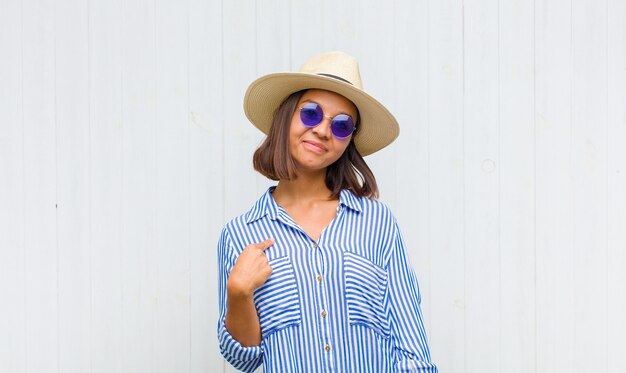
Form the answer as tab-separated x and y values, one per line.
311	115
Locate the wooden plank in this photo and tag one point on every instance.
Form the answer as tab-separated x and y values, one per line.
303	43
517	187
106	180
589	156
343	30
40	193
272	55
374	25
554	188
240	137
445	165
73	185
12	196
206	173
172	257
139	150
481	150
616	198
411	111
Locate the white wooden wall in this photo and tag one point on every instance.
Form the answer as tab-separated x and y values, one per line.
124	149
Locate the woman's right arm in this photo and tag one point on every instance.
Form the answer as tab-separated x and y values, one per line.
250	271
239	331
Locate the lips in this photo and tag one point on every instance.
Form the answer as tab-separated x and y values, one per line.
315	146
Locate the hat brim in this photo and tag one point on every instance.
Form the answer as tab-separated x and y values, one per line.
377	126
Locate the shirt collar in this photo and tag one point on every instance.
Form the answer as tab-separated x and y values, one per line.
349	200
266	206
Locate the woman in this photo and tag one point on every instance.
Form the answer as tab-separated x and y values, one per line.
315	276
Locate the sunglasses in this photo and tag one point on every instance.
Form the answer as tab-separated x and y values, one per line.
311	115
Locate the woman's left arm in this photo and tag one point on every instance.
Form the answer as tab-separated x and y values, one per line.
407	327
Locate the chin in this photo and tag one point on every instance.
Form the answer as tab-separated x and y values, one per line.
312	166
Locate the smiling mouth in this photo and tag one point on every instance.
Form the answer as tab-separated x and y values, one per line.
318	148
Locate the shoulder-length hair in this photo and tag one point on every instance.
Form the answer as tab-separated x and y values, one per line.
273	159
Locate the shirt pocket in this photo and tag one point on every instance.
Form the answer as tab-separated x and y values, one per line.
277	300
365	286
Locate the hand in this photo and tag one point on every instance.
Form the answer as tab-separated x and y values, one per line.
250	271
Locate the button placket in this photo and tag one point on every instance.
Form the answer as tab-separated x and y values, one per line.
323	303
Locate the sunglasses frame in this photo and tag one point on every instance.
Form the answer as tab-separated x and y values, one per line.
332	120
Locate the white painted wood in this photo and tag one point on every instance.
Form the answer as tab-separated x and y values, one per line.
12	198
343	30
41	286
507	179
106	183
172	250
374	26
517	191
139	187
272	55
73	164
616	185
481	154
554	188
206	188
306	42
589	157
411	161
240	137
446	177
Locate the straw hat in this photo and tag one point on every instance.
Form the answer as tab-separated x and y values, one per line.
334	71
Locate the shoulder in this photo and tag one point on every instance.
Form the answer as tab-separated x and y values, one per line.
368	207
235	224
372	214
246	228
239	228
259	209
374	205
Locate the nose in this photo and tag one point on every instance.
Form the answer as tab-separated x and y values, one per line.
323	129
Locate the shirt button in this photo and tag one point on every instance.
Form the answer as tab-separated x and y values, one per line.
324	313
319	277
315	246
327	348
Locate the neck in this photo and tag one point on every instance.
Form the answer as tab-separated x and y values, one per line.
306	187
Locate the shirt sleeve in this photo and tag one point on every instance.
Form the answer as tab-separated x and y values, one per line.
246	359
407	327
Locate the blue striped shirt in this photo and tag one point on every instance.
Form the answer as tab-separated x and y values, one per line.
349	302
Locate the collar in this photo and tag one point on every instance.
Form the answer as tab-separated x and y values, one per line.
349	200
266	206
263	206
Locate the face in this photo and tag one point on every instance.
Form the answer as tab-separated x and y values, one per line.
315	148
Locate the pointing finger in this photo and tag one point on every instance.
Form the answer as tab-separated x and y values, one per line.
264	245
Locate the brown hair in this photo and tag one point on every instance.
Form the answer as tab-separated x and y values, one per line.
273	160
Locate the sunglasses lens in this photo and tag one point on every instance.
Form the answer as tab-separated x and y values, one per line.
311	114
342	126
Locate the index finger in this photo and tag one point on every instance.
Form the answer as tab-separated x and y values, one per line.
264	245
